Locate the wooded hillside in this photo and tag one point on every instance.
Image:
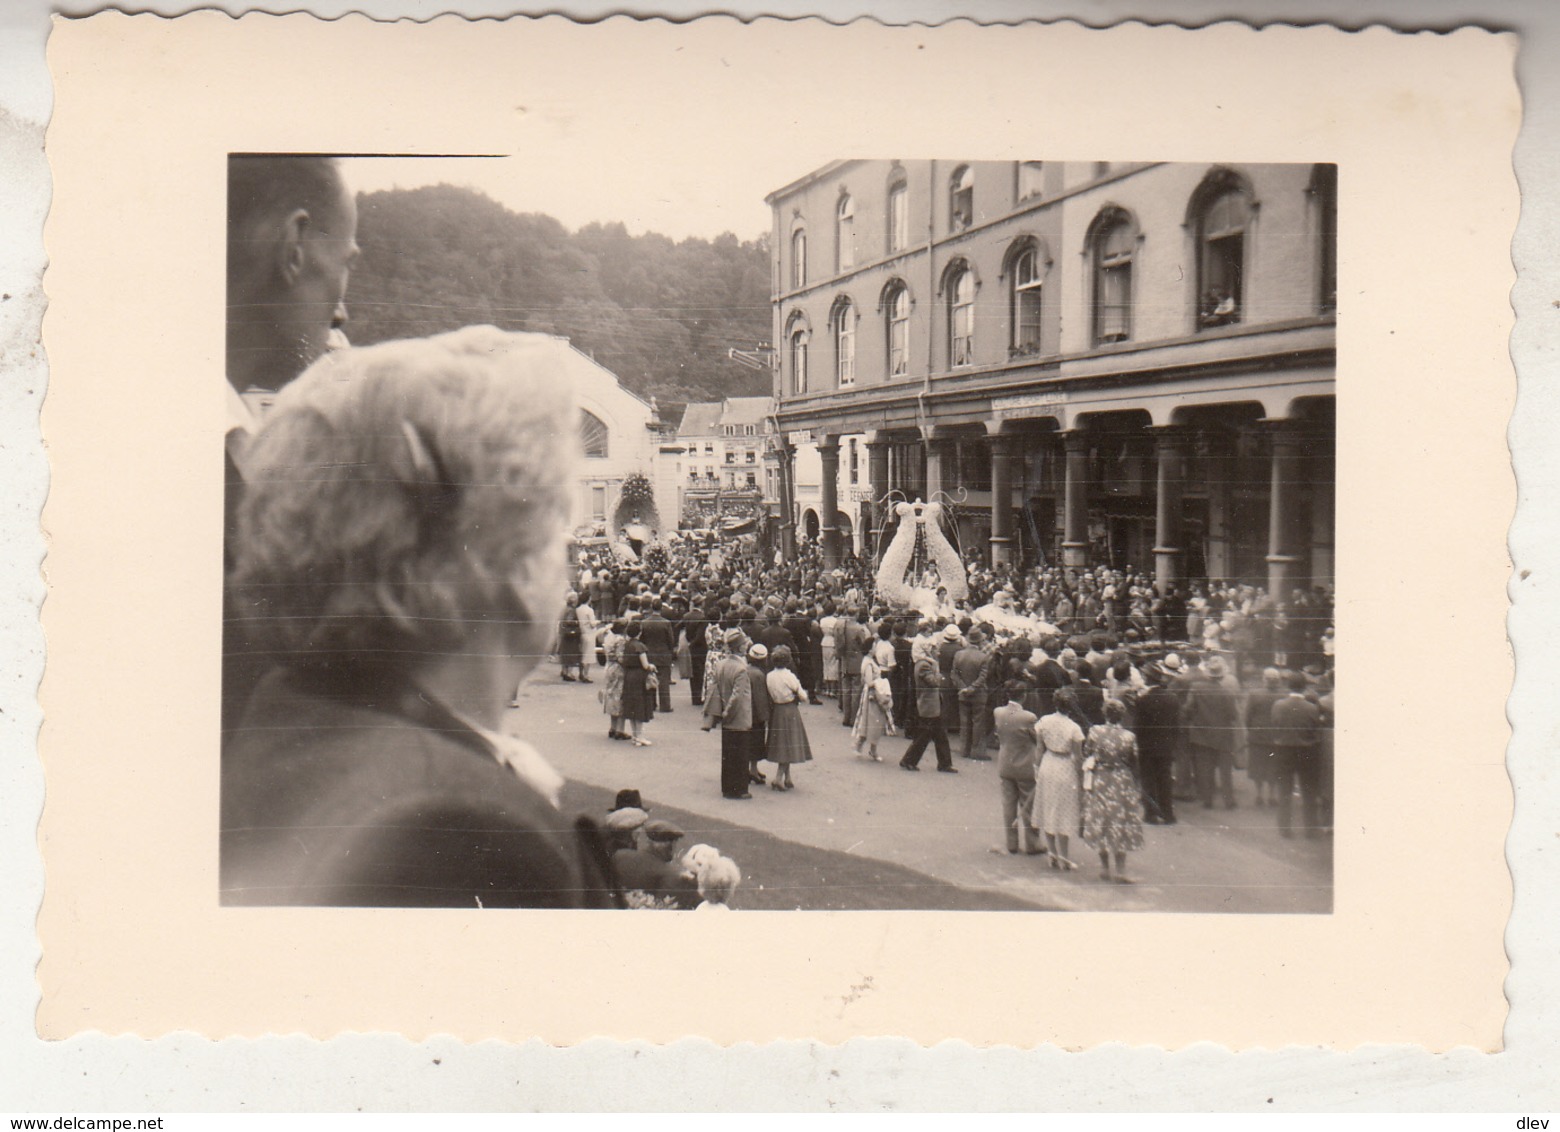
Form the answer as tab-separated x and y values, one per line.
660	314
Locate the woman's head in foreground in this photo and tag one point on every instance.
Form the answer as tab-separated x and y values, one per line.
401	496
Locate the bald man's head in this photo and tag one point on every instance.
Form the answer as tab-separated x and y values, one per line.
292	238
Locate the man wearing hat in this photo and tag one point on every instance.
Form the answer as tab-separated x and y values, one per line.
758	734
1157	725
622	829
627	800
1212	726
949	641
650	870
730	704
926	716
971	675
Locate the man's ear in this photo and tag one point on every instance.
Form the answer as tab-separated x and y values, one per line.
290	248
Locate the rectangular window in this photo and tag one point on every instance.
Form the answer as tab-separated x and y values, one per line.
1223	258
752	479
1115	309
752	457
898	218
598	502
855	462
899	344
1029	179
731	457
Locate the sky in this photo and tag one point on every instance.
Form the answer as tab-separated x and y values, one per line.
700	195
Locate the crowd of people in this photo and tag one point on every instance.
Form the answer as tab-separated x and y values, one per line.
1103	701
393	574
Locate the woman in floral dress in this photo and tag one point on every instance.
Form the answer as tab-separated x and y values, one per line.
1112	800
612	684
1057	777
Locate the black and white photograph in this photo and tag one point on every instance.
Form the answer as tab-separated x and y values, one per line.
916	533
777	468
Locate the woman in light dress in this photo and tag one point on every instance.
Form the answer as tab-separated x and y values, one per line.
787	733
875	714
830	624
1058	777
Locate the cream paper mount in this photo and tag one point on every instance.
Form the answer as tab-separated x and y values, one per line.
147	110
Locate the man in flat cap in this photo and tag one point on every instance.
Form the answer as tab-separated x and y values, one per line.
652	870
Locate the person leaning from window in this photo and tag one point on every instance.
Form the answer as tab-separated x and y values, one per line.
401	546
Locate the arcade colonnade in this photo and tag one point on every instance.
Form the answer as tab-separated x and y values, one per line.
1227	491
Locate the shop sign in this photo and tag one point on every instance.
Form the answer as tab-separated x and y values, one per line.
1028	405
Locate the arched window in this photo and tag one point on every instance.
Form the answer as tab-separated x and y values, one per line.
798	340
844	318
845	234
1223	212
896	321
593	435
1114	242
1024	300
961	199
799	258
1324	192
961	317
898	216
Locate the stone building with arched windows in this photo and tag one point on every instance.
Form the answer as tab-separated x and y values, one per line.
1123	363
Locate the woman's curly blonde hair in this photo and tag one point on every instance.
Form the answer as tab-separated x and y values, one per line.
399	492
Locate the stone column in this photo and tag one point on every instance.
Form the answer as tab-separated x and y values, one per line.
913	478
1221	471
788	500
1170	450
1323	474
1283	495
1075	529
877	479
939	457
1001	499
829	500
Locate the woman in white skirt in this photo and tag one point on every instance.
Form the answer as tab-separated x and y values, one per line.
1058	781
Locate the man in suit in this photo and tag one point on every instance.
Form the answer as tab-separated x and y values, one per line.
1047	677
758	684
1212	723
851	641
800	626
971	672
929	685
772	634
730	704
660	641
1157	724
1295	732
901	680
1016	752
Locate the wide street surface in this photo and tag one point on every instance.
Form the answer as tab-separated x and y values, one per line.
943	825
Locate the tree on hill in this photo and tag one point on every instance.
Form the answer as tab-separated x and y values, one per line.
659	313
